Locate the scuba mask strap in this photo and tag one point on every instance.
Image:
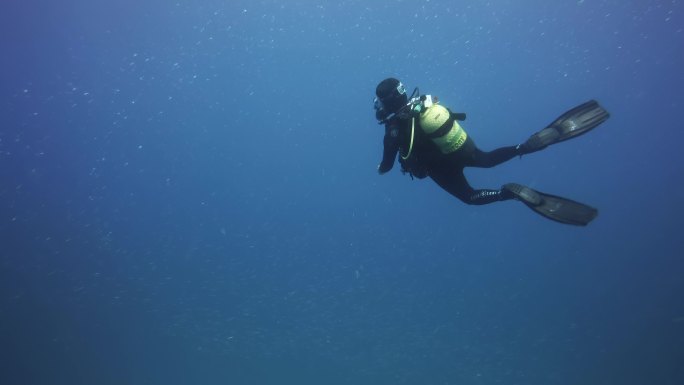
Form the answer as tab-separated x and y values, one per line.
379	103
408	110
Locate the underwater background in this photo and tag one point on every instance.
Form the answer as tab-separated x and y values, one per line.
189	194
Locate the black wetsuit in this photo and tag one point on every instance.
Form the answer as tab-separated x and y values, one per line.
445	169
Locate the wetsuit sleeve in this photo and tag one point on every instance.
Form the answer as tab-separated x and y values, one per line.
390	148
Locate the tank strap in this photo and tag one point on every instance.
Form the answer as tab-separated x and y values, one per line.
444	128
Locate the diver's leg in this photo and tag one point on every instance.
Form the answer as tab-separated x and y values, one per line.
454	182
471	156
495	157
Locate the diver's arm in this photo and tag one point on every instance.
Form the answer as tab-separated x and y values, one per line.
387	163
389	153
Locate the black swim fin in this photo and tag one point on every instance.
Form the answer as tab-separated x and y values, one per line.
559	209
573	123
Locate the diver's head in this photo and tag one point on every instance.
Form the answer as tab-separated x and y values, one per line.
391	96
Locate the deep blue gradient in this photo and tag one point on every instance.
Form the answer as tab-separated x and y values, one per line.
189	195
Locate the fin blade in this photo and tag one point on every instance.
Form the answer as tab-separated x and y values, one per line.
571	124
565	210
580	120
553	207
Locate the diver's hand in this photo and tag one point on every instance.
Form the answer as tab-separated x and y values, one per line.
380	171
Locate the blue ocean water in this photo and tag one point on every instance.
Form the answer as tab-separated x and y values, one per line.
189	195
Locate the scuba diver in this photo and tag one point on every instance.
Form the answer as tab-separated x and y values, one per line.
431	142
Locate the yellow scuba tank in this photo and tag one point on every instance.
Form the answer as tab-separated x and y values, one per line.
438	123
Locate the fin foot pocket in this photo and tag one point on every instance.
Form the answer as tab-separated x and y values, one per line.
523	193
